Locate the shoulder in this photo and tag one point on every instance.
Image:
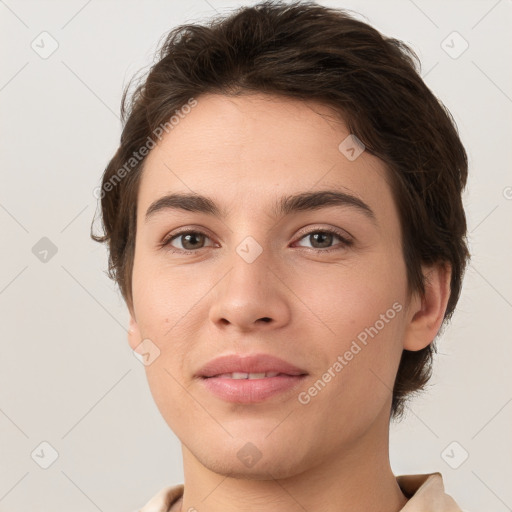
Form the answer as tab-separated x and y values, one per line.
163	499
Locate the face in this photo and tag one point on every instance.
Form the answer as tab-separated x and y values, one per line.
318	283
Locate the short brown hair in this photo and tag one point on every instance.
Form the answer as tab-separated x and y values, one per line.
306	51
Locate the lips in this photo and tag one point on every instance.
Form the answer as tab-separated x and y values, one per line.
236	364
251	376
249	379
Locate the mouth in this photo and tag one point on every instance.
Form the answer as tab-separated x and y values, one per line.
251	378
249	388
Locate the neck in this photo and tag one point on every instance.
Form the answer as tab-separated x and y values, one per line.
355	479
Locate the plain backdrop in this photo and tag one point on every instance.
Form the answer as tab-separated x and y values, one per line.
68	378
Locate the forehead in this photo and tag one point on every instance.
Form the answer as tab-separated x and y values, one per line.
251	148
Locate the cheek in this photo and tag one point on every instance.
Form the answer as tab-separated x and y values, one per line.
176	404
351	296
363	325
362	311
164	295
162	304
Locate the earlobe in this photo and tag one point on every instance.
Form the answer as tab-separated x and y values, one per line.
134	337
428	314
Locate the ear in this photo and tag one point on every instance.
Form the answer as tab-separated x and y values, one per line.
134	337
427	312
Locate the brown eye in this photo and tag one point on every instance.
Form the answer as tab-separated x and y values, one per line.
321	239
188	240
324	239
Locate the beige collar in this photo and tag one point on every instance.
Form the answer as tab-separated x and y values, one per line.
425	492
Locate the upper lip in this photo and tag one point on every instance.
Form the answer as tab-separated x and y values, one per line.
253	363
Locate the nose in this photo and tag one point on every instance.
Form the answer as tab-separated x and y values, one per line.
251	296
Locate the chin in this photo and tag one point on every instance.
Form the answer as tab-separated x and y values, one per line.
265	469
259	460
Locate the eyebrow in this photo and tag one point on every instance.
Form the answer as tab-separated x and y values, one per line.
304	201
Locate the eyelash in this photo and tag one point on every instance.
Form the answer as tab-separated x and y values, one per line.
345	242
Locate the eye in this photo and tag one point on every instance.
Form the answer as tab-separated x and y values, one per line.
189	241
321	239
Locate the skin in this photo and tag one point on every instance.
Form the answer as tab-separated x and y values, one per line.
331	454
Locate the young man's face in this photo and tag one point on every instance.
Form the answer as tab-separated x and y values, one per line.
264	281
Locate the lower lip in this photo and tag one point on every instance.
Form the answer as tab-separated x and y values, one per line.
250	390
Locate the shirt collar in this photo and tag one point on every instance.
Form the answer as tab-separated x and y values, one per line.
426	492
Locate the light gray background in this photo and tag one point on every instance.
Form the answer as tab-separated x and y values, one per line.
68	376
